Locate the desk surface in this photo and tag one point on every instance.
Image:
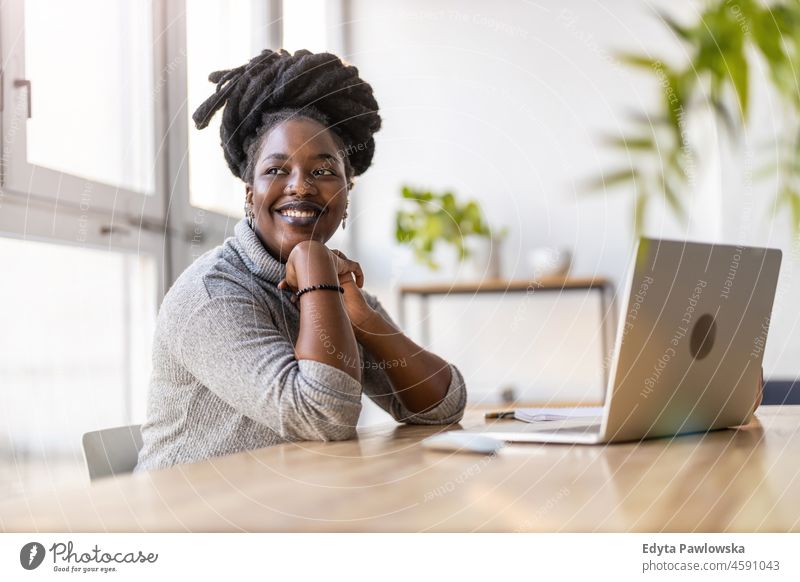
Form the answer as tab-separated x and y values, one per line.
734	480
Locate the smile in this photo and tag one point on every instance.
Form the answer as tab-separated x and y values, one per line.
303	213
298	213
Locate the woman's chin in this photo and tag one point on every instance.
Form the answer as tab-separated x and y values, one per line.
281	249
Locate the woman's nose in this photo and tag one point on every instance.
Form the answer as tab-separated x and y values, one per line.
301	185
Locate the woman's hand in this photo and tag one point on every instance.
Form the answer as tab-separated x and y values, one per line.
309	263
326	333
310	257
760	392
759	397
351	278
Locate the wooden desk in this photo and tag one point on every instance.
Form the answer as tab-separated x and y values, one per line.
735	480
545	284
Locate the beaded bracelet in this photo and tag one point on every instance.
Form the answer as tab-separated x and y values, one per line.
338	288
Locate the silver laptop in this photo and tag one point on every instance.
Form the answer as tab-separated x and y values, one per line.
688	351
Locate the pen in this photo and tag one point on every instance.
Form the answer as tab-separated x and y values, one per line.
500	414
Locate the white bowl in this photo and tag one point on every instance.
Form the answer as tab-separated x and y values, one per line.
549	261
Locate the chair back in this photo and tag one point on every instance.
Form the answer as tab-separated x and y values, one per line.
112	451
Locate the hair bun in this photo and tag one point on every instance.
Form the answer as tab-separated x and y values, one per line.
304	82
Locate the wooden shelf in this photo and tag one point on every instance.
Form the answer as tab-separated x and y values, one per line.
505	285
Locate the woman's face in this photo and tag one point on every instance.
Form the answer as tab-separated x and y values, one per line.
299	186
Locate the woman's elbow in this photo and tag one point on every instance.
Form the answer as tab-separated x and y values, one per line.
455	401
330	424
340	426
448	411
323	405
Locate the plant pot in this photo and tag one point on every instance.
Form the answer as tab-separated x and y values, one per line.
482	261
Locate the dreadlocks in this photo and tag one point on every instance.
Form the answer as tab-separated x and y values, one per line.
275	86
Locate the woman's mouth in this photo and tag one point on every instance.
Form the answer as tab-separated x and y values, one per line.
300	213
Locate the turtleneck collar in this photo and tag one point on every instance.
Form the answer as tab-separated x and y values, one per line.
255	256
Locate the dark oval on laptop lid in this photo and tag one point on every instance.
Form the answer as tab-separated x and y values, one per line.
703	336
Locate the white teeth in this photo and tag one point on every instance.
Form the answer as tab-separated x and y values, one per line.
298	213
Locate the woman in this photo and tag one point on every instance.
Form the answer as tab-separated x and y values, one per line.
269	338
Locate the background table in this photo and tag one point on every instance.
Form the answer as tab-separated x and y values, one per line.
734	480
603	286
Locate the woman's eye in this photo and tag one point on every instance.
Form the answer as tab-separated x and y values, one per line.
274	171
318	172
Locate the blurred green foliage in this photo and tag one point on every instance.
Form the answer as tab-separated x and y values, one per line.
427	219
729	39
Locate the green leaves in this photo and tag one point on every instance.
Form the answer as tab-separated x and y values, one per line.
638	61
680	31
673	201
639	209
717	74
737	66
428	219
614	178
789	197
631	143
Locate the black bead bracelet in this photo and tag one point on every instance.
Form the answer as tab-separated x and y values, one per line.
338	288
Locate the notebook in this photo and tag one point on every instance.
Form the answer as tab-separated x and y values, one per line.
545	414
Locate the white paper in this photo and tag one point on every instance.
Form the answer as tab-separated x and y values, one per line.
545	414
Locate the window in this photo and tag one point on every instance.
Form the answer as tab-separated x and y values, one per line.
75	352
305	25
78	77
91	99
108	193
219	35
82	232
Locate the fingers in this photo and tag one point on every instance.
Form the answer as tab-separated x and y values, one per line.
359	275
283	285
355	269
345	278
345	265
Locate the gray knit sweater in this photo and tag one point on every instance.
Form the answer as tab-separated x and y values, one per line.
225	377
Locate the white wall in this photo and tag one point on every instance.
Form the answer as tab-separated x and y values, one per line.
504	102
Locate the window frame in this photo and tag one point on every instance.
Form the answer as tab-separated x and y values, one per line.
21	179
204	229
163	225
67	216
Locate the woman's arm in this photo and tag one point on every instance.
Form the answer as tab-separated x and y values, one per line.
231	345
423	382
326	334
424	379
420	379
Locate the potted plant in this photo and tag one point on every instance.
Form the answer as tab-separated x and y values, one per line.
428	219
724	44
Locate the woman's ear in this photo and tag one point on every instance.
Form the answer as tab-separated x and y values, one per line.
248	193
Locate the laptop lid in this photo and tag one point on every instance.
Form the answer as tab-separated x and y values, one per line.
691	338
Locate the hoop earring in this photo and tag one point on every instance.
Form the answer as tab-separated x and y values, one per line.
248	212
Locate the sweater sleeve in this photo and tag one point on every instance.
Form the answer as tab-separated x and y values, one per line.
231	345
378	387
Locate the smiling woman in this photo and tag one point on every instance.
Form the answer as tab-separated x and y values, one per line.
302	151
269	337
